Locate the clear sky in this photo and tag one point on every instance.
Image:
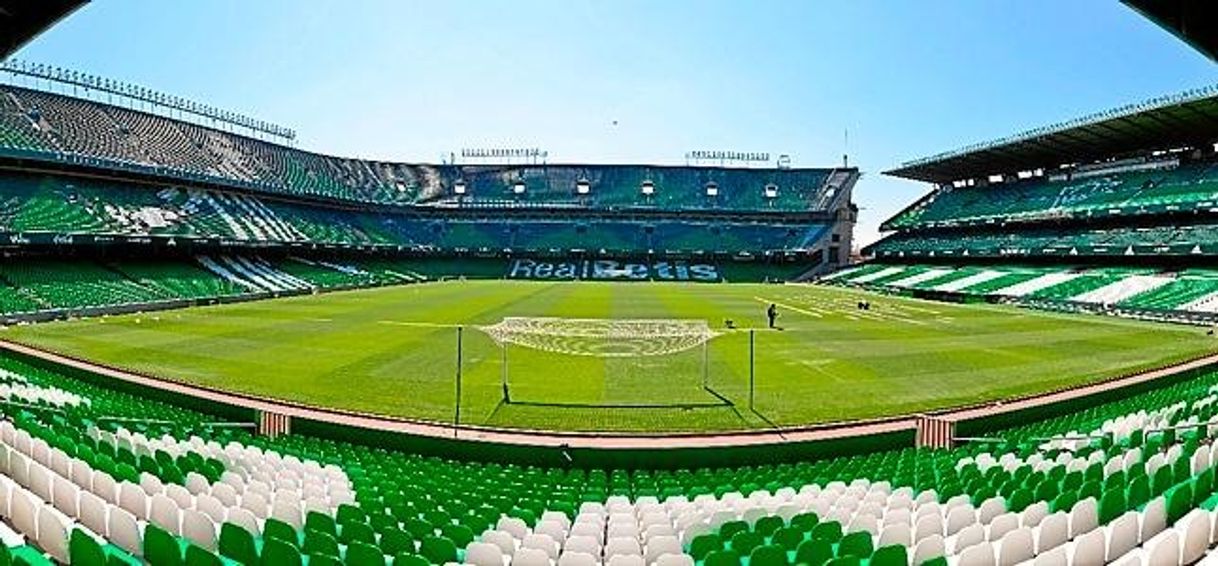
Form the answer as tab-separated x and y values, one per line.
411	80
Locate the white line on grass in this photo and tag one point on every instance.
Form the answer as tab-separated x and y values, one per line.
790	308
881	315
423	324
919	309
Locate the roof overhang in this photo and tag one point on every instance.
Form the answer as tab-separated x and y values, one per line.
22	20
1187	119
1193	21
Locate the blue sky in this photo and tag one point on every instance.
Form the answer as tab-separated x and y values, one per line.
410	81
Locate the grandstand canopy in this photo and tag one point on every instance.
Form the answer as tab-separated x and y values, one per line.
1195	22
21	20
1186	119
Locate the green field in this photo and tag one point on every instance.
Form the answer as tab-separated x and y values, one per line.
393	351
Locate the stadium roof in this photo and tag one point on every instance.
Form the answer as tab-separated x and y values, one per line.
21	20
1186	119
1195	22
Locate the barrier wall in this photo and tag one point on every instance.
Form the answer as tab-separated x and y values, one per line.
606	451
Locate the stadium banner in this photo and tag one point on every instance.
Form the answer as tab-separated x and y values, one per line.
613	270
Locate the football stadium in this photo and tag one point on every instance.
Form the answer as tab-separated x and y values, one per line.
221	347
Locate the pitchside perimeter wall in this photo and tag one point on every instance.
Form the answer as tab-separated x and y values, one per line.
613	451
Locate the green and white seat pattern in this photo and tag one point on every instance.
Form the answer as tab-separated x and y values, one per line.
1189	290
30	285
123	478
15	387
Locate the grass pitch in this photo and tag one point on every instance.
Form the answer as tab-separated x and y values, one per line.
392	351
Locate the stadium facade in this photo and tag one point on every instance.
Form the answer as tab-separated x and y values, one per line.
136	209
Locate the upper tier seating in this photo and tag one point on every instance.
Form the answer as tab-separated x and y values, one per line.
58	205
1184	188
53	126
93	476
1180	239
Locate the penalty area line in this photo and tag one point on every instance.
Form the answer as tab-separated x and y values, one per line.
421	324
790	308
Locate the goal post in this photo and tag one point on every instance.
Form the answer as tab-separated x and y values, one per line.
606	363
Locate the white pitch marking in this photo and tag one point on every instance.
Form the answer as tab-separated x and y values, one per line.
791	308
423	324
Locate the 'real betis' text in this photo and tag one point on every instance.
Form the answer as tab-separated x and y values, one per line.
606	269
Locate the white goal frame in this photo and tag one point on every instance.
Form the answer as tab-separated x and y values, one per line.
606	338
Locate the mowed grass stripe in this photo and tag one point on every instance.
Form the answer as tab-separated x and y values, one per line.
333	350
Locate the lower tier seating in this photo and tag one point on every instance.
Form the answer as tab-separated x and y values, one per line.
30	285
1189	290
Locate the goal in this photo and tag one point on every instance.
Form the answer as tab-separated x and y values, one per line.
611	363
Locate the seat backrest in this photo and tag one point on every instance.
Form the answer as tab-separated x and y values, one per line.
898	533
542	542
927	548
1164	549
583	544
1001	525
981	554
1053	531
1196	535
1154	518
556	530
123	530
1122	535
483	554
1089	548
165	513
133	499
1016	546
1084	516
622	546
199	529
1055	557
969	536
576	559
530	557
990	508
501	539
960	517
53	533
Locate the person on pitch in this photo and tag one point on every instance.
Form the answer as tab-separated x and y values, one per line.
772	314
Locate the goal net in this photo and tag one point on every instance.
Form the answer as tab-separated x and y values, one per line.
622	363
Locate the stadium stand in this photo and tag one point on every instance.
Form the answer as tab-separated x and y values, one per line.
94	476
228	217
78	173
73	285
54	127
91	475
1117	224
70	285
1116	289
